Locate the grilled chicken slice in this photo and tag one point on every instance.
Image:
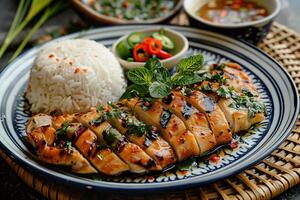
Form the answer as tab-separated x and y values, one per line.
240	81
239	119
170	126
213	113
137	160
102	158
237	78
144	136
194	120
42	136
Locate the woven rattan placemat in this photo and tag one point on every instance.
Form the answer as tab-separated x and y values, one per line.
272	176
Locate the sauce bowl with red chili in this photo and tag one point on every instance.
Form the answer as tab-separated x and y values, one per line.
248	20
136	48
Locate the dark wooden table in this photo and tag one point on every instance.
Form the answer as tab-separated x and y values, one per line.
11	186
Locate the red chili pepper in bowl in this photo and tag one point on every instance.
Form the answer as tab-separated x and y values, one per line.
154	46
163	54
140	53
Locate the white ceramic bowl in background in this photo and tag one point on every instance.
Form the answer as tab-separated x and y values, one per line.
181	46
252	32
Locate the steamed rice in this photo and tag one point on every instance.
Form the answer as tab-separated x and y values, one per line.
73	75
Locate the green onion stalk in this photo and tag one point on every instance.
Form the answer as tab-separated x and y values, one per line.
28	10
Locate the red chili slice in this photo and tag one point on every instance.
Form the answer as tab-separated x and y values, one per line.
214	158
140	53
154	46
163	54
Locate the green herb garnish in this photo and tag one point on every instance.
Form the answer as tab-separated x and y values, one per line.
140	76
219	78
159	89
247	92
135	90
190	64
219	67
206	88
186	91
186	165
251	103
181	79
225	92
68	146
111	135
112	111
96	121
137	127
154	80
61	134
99	108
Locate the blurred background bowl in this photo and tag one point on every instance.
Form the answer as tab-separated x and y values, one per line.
252	32
87	12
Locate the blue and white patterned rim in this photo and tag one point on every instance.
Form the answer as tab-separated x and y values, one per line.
277	88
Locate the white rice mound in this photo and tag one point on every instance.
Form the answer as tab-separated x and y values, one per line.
72	76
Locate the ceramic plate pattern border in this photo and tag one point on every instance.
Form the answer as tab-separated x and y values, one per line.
273	82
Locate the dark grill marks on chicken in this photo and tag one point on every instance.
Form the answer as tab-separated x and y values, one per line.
193	120
171	128
145	136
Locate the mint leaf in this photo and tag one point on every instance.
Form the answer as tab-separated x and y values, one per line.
190	64
152	64
185	79
159	89
140	76
134	91
162	75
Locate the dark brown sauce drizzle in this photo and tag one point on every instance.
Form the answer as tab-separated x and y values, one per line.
78	132
165	117
147	142
167	100
91	149
96	122
187	111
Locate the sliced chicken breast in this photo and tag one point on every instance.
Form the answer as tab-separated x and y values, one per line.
137	160
42	137
148	139
194	120
172	129
214	115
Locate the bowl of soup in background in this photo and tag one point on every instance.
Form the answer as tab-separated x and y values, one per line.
250	30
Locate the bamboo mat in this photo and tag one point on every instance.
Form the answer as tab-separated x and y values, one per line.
275	174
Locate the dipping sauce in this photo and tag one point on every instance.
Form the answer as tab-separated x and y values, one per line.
132	9
232	11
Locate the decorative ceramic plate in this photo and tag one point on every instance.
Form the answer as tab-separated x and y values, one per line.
273	82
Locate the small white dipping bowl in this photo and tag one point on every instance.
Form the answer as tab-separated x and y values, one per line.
181	47
252	32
